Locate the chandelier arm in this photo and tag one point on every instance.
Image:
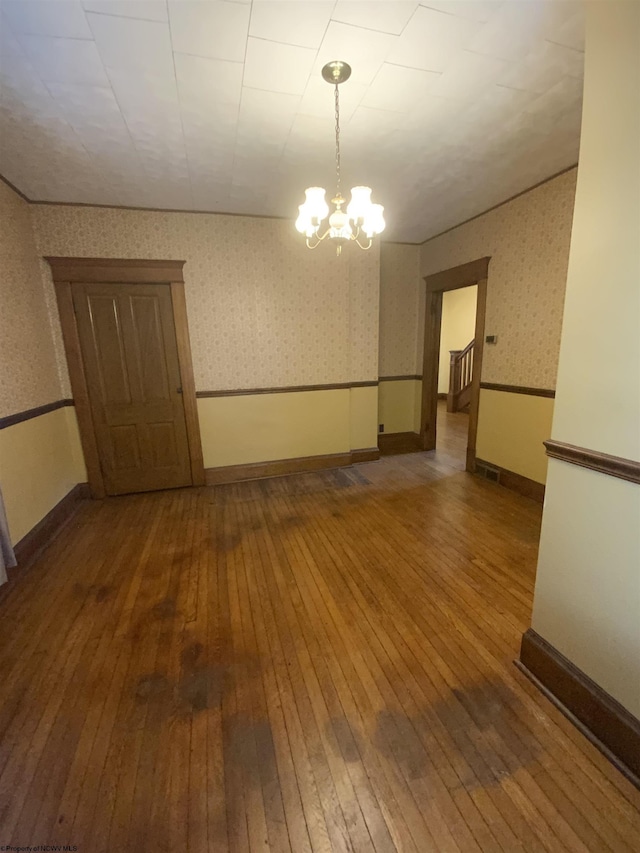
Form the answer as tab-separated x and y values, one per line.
319	239
368	246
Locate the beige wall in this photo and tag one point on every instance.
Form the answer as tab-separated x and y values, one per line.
587	597
40	462
457	329
363	427
264	427
525	417
399	405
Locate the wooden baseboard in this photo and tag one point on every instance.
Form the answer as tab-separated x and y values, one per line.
392	443
365	454
46	530
509	479
282	467
442	396
608	725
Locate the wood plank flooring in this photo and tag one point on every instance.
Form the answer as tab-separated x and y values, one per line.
320	662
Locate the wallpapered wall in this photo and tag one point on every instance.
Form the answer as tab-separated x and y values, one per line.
400	323
28	376
528	241
263	310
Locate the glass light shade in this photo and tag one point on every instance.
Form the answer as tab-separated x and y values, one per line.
374	221
360	203
315	203
304	223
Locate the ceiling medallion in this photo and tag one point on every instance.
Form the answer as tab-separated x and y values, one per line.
362	219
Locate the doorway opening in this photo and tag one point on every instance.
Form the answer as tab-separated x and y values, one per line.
455	373
450	417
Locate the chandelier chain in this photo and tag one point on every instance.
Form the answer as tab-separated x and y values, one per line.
361	219
337	100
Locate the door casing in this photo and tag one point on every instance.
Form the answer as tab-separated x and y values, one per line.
465	275
66	271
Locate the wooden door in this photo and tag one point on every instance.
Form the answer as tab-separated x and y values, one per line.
128	342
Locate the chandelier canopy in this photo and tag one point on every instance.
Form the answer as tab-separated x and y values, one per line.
362	219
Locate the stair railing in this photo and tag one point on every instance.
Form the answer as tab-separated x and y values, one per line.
460	377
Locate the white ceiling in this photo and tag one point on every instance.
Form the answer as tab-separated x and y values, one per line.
453	105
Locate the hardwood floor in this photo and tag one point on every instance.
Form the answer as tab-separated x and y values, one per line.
320	662
452	435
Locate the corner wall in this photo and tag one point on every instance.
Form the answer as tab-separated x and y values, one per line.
587	596
264	313
40	460
401	331
528	242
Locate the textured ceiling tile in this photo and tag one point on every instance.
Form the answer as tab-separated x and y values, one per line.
571	33
21	88
369	131
399	89
243	199
277	67
220	121
143	46
93	113
210	195
86	103
431	38
145	136
216	29
203	82
63	18
144	10
476	10
364	50
61	60
318	98
267	109
468	73
512	31
145	98
561	98
543	68
302	23
386	16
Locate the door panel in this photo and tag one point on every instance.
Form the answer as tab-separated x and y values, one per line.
109	351
128	343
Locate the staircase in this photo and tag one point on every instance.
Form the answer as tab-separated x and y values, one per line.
460	377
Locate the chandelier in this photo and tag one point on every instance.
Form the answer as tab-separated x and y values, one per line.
362	219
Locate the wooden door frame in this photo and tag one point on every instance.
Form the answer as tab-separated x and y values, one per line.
465	275
67	271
